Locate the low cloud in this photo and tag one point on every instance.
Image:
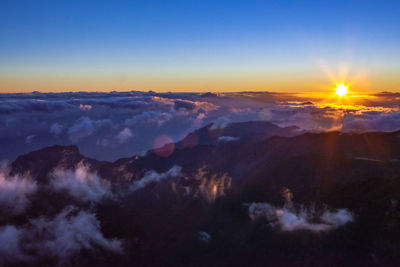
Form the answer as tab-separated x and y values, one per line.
227	139
124	135
15	192
220	123
290	219
10	249
153	176
60	238
81	184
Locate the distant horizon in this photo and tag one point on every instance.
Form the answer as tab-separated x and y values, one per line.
294	92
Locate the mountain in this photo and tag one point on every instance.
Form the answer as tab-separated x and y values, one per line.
201	216
251	131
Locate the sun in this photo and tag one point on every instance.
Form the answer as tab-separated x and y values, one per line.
341	90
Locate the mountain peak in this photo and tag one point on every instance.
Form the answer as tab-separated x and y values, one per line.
41	162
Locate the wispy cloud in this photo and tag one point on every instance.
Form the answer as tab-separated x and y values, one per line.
81	183
15	191
289	219
153	176
60	238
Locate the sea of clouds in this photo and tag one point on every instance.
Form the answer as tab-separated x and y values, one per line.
108	126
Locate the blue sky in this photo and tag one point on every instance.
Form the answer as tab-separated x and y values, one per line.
89	45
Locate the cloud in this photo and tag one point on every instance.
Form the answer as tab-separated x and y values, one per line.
30	103
204	236
85	127
124	135
288	218
10	250
338	218
149	117
372	121
60	238
15	192
220	123
153	176
85	107
29	139
56	118
56	128
227	139
68	233
81	184
181	104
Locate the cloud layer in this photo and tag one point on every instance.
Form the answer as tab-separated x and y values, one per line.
109	126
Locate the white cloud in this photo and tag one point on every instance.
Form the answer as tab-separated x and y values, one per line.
124	135
153	176
60	238
220	123
338	218
81	184
288	218
68	233
15	192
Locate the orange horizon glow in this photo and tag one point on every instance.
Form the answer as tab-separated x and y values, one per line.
181	86
299	82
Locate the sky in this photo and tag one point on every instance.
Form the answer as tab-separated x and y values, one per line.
199	46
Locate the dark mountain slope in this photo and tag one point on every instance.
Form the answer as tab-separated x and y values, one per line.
160	223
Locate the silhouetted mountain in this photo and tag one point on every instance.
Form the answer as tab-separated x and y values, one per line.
42	162
251	131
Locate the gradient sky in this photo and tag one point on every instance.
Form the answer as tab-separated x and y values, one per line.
198	45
